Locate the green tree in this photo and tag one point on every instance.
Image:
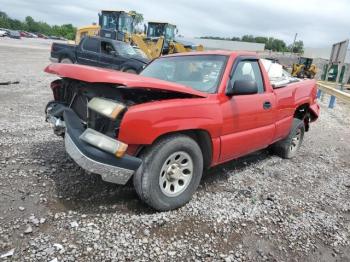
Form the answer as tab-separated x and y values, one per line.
29	24
248	38
32	26
138	18
4	20
298	47
16	24
260	39
235	38
275	45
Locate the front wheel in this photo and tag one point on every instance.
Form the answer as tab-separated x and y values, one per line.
130	71
170	173
288	147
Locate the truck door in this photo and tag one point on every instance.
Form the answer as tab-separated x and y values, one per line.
248	120
109	56
88	52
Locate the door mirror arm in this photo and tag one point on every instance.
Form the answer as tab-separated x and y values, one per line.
229	88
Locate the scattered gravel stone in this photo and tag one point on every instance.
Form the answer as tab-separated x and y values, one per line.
28	230
74	224
8	254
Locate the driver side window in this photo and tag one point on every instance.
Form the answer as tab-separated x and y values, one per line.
106	48
249	71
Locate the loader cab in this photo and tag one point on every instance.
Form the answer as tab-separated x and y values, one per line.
307	62
158	29
90	30
117	25
155	30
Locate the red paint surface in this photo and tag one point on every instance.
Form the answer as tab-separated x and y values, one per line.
237	125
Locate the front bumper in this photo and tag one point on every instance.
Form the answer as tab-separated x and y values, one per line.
112	169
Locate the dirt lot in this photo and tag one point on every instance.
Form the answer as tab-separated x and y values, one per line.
257	208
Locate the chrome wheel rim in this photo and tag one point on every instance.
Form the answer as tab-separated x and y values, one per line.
295	141
176	174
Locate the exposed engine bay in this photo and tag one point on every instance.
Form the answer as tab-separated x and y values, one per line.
76	95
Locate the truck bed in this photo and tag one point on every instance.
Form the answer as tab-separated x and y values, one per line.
56	49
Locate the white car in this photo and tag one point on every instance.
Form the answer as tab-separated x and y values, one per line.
3	33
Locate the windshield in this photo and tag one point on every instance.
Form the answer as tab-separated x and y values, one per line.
170	32
125	24
108	21
124	21
125	49
155	30
200	72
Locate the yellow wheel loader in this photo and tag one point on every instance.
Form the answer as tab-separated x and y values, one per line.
304	68
119	25
90	30
156	30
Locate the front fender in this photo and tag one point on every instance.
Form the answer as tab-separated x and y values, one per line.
143	124
315	111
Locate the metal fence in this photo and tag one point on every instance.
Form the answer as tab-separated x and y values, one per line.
327	88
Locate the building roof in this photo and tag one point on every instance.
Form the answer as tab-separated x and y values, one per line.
216	52
214	44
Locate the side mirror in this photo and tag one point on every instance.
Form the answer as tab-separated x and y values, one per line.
279	84
242	87
113	53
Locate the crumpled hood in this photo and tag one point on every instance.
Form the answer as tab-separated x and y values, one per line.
102	75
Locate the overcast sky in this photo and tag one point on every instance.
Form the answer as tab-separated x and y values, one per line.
318	23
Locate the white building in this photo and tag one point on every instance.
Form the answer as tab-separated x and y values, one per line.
213	44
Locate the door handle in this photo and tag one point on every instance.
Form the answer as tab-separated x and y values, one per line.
267	105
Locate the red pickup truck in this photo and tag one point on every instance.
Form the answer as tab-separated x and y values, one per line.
184	113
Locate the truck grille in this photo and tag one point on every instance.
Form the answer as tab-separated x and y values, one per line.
79	106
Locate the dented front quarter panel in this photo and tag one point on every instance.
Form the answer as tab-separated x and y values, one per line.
142	124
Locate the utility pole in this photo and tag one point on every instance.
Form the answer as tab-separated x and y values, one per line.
295	39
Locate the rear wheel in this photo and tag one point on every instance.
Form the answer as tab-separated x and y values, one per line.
66	61
288	147
170	173
130	71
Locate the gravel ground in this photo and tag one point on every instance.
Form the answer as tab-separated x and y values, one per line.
256	208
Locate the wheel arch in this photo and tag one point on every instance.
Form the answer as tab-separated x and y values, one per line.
304	113
200	136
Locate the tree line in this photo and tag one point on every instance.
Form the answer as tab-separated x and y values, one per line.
29	24
271	43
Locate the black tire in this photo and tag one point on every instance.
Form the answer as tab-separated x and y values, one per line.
288	147
147	178
66	60
130	71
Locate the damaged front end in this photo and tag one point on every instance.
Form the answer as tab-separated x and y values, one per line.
88	116
89	120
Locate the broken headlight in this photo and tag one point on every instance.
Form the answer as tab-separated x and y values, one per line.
104	142
106	107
